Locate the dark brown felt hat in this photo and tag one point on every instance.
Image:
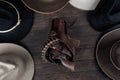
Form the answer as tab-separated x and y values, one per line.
108	54
45	6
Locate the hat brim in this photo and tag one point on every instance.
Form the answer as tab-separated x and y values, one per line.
26	17
21	58
44	6
84	4
103	53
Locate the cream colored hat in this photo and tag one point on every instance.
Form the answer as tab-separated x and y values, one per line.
85	4
16	63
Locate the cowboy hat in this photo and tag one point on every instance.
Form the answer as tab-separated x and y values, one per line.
84	4
45	6
15	20
108	53
106	15
16	63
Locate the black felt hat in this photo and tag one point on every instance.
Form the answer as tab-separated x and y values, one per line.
15	20
106	15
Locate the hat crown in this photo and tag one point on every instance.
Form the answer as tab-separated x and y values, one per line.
115	55
5	69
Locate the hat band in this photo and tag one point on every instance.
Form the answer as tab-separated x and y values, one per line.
18	18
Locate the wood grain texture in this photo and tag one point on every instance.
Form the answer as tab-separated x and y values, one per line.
79	28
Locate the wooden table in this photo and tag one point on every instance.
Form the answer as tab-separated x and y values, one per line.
79	28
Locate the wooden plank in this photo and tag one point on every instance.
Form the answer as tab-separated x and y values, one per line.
85	53
77	27
87	75
82	65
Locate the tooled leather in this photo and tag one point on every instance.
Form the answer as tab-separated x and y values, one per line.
59	32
